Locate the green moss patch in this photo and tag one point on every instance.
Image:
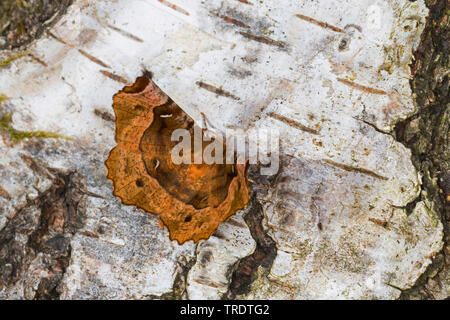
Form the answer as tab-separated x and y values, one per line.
17	135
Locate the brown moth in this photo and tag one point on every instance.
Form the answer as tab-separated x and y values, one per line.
191	200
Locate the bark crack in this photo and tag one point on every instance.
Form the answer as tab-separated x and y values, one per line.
426	134
35	248
244	271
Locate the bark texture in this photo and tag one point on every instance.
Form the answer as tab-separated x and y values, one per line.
346	216
21	21
427	135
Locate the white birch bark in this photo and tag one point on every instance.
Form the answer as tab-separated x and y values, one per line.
343	73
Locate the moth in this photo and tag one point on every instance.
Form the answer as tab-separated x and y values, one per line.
191	200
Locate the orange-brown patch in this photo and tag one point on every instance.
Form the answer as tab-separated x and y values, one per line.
191	200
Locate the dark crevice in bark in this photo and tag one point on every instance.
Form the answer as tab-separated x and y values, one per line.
35	242
21	22
179	288
244	272
426	134
179	285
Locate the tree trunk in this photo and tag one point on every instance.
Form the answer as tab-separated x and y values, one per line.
356	90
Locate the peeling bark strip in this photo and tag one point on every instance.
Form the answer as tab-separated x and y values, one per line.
174	7
264	40
125	33
320	23
47	223
355	169
292	123
263	256
216	90
114	76
361	87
